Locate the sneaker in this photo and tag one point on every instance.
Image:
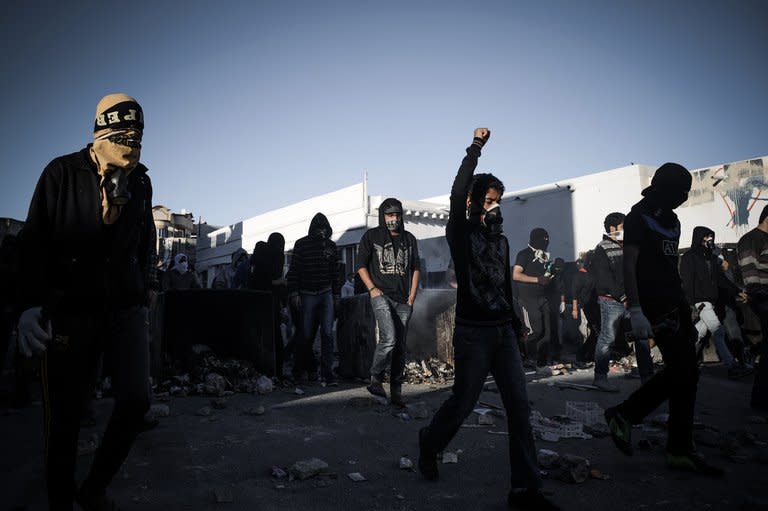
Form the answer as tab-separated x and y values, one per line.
603	384
693	462
531	499
376	388
621	430
427	459
738	371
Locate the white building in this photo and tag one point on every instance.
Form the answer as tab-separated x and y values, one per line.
350	211
726	198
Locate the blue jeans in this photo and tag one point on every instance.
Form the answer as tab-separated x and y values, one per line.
392	319
477	351
611	313
317	310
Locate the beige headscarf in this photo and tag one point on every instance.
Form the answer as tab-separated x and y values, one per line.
115	114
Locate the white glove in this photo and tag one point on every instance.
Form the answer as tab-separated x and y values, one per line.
641	327
562	307
32	338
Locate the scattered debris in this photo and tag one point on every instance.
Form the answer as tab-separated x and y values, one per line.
278	472
255	410
418	410
159	410
547	458
305	469
299	392
485	419
450	457
586	412
219	403
356	477
264	385
406	463
596	473
215	384
428	371
205	411
576	386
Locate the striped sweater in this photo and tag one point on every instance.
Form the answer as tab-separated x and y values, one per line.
753	261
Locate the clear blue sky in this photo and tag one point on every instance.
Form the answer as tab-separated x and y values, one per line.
252	105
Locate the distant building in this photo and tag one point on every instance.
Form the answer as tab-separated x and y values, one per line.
177	232
350	211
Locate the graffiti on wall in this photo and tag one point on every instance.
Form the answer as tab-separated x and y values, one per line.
741	187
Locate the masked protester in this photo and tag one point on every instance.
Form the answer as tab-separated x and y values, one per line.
533	276
313	287
753	262
87	265
608	270
388	264
178	276
487	328
235	274
658	310
704	282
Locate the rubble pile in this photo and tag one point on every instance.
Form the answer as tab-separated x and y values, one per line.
428	371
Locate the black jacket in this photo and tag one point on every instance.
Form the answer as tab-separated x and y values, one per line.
484	294
313	267
701	271
70	258
607	269
390	262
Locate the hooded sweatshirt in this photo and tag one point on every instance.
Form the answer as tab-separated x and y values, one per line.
484	293
390	260
313	267
701	271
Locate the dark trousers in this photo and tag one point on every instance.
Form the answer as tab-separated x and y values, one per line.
478	351
278	336
317	310
675	336
67	370
760	386
536	316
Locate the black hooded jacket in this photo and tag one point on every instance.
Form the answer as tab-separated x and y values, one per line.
390	260
313	267
607	268
701	271
70	258
484	293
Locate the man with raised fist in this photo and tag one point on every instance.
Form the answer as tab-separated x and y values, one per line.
487	329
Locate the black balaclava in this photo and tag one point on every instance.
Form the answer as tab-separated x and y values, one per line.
699	233
391	205
539	241
320	227
669	187
763	214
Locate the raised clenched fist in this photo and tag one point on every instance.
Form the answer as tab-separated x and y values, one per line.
482	133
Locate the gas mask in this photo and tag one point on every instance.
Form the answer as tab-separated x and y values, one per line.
115	184
492	219
394	225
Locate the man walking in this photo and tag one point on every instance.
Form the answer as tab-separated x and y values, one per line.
485	337
313	287
388	265
753	260
658	310
703	277
87	265
533	280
